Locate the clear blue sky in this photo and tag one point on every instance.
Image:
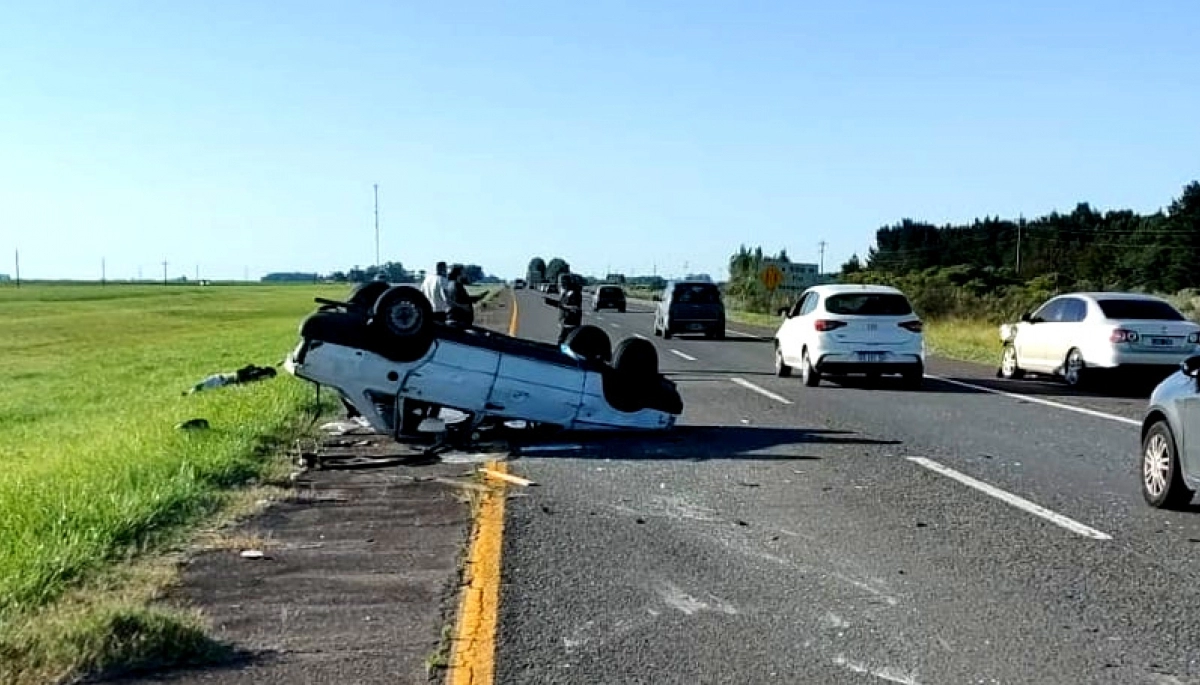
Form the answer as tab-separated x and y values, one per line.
239	135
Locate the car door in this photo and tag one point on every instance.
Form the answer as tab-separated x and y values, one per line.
789	331
800	327
1061	335
1031	338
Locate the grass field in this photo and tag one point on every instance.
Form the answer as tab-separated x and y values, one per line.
95	472
967	340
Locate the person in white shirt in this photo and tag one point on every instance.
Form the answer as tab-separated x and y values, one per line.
436	288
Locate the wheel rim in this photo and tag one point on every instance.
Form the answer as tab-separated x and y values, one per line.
805	367
778	360
1073	367
1008	364
1156	465
404	318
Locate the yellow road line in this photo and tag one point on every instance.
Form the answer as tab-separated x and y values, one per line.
473	661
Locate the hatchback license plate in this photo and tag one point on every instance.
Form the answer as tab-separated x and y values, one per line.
870	357
1162	342
695	327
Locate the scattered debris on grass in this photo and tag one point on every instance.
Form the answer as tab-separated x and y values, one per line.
193	424
246	374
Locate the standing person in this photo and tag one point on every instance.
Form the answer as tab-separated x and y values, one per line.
461	303
570	308
436	289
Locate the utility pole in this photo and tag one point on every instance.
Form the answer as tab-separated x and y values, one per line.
18	255
246	274
821	246
103	275
197	272
164	272
376	224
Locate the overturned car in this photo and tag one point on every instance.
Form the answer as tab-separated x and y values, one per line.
384	353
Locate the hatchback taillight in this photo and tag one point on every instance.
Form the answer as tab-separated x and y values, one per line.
914	326
1122	335
824	325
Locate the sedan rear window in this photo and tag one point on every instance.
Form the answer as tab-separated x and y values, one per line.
868	304
697	294
1139	309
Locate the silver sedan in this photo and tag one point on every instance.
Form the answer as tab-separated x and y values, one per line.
1171	439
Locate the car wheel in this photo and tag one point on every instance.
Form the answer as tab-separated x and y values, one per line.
590	342
403	316
1162	483
666	331
636	357
717	335
913	378
1075	372
1009	368
621	310
809	373
781	367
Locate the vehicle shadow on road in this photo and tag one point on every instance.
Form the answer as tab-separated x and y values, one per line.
697	443
1136	389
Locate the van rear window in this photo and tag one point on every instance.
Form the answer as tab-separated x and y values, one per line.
699	293
868	304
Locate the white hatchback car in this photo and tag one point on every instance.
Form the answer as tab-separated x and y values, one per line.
1071	335
840	329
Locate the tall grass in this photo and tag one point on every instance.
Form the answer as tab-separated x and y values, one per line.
93	469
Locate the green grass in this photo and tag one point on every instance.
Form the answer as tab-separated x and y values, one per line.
964	339
94	471
753	318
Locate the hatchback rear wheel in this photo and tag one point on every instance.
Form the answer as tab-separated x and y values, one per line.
1162	482
809	373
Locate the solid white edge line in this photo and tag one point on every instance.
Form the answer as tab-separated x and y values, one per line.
744	335
762	391
615	325
688	357
1038	400
1009	498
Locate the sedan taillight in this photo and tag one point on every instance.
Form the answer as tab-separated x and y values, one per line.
824	325
914	326
1122	335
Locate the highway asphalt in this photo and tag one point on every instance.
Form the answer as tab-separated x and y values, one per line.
846	534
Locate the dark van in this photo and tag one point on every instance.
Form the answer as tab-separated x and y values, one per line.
690	307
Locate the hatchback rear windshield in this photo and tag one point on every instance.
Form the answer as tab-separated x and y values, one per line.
610	290
699	293
1139	309
868	304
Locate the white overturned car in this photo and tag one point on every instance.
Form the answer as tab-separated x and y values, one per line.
386	356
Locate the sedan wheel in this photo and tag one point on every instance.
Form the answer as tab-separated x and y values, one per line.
1008	363
1074	369
1162	483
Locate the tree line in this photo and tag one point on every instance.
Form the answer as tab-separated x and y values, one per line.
393	272
1085	249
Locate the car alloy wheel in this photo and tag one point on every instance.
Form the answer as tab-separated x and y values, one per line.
810	376
1074	369
1162	483
781	368
1009	368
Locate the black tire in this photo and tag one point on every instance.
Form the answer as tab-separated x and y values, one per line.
716	335
636	357
808	372
364	296
590	342
621	310
1162	481
1075	372
1009	367
657	332
781	367
913	378
404	319
666	331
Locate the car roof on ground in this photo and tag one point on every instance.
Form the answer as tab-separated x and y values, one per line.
844	288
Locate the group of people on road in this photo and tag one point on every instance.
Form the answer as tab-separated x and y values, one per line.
448	296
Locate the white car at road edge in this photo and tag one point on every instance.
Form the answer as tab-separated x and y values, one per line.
1073	334
842	329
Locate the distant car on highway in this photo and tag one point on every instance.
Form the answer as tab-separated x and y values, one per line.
841	329
1170	470
690	307
550	289
1071	336
518	284
608	297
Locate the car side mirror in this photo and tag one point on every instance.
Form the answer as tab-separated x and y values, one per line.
783	311
1191	366
1027	317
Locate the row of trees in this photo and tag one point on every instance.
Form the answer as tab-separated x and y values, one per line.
1118	249
540	271
394	272
745	289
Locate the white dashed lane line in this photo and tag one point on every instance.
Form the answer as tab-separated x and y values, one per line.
1038	400
762	391
688	357
1011	499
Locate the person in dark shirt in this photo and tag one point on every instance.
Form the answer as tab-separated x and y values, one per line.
570	308
462	303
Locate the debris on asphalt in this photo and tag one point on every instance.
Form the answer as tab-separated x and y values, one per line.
747	484
641	520
253	554
546	509
741	522
192	424
246	374
922	525
356	425
515	480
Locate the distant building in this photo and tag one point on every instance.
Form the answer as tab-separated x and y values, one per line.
796	276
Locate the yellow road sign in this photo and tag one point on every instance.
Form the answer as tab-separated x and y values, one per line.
771	276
